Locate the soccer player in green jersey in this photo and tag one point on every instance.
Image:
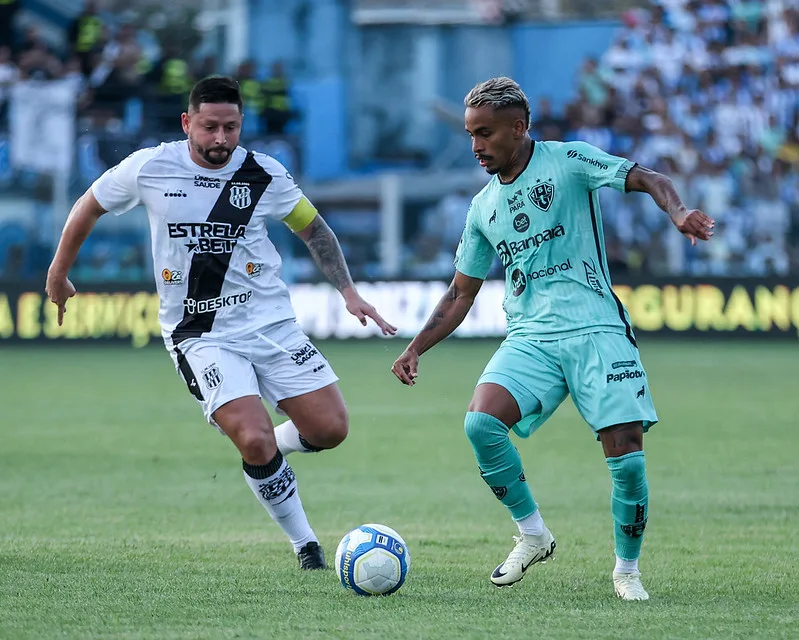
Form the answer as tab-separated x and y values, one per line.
567	330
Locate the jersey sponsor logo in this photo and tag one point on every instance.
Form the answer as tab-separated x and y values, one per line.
493	217
212	376
172	277
212	304
208	237
508	251
592	278
546	272
627	374
521	223
206	182
516	196
519	279
240	195
641	392
211	253
541	194
301	356
179	193
253	269
624	363
592	161
519	282
516	202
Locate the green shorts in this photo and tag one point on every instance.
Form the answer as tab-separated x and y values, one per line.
602	371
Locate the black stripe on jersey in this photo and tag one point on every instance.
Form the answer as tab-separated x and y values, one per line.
188	375
208	270
627	328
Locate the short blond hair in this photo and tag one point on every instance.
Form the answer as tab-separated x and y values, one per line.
499	93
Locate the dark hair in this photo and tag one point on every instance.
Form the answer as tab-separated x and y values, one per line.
215	90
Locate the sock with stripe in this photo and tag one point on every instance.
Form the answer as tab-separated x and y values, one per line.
275	487
629	503
500	464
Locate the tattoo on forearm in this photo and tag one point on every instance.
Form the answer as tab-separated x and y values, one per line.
659	187
326	252
439	313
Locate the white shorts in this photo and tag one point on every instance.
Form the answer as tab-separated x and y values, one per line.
278	363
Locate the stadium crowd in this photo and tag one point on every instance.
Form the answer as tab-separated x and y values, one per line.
126	75
706	91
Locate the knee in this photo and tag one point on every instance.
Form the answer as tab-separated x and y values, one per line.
628	470
257	445
330	430
338	428
482	429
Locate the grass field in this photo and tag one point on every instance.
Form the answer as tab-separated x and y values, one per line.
122	515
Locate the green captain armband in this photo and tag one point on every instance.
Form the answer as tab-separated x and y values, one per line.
301	215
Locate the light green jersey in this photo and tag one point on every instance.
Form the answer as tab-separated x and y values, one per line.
546	228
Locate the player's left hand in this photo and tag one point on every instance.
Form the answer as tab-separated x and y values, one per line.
361	309
695	225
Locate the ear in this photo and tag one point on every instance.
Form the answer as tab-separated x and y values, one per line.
519	128
185	120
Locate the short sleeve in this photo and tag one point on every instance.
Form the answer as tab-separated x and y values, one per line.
117	189
599	168
282	194
475	254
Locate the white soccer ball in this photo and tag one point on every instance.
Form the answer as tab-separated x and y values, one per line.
372	560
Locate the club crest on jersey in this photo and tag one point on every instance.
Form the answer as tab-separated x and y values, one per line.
541	194
240	195
212	376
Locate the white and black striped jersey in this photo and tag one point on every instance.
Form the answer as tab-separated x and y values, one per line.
217	272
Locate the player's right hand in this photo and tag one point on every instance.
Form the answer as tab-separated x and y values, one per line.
405	367
695	225
59	289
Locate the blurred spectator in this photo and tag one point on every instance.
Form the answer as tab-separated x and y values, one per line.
86	36
8	75
277	101
36	61
545	125
173	81
252	96
8	13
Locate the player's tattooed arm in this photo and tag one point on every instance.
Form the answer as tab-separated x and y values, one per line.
326	252
449	312
658	186
692	223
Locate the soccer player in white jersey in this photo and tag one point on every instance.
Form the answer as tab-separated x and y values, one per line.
567	330
226	316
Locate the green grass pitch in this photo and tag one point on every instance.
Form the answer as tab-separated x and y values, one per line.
123	515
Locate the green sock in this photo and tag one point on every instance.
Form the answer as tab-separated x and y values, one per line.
629	502
500	464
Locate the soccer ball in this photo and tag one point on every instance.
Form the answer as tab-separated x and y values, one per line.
372	560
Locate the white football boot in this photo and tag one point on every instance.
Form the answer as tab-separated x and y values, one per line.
628	586
528	551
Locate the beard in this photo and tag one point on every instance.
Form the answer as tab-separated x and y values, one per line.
213	155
